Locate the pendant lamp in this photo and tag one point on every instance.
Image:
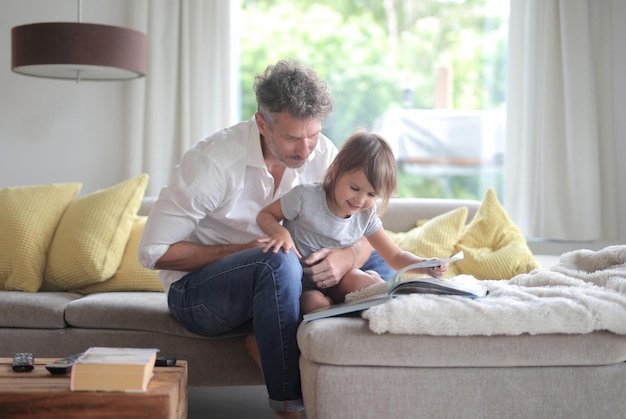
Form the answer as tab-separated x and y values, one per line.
78	51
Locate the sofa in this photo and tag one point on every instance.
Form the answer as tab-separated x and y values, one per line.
347	371
122	305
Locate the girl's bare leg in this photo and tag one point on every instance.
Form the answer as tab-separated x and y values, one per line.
354	280
312	299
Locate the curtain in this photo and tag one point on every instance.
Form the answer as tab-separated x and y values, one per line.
561	177
191	87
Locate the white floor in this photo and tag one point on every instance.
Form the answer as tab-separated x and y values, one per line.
245	402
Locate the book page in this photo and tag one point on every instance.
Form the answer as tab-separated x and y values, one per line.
438	286
429	263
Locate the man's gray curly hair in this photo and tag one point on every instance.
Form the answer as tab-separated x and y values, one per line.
290	86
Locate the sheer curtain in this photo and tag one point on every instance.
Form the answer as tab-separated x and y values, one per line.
561	176
191	87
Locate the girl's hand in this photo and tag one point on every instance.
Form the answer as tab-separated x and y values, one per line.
437	271
279	241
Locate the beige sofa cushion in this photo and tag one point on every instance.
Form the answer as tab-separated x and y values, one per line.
139	311
332	341
27	310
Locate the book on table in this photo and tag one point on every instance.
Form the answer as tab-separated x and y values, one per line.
403	283
113	369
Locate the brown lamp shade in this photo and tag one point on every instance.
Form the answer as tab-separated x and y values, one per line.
78	51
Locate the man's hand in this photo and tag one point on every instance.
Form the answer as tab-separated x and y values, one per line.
190	257
328	266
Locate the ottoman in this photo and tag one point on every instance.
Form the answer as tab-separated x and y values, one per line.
350	372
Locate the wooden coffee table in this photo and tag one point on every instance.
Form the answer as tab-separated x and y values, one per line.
39	394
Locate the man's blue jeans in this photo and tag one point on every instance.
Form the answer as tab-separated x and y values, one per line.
265	287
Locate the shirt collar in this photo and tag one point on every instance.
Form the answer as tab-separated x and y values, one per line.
255	156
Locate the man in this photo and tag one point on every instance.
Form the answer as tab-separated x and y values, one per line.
202	232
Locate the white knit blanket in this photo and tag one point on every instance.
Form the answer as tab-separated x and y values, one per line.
585	291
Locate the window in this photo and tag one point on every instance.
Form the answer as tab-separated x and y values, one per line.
429	75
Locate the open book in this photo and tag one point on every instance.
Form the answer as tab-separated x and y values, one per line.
400	284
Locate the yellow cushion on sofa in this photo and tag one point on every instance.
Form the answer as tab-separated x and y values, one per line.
88	245
131	275
435	238
494	247
28	217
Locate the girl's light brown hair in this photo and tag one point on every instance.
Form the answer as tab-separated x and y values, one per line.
369	152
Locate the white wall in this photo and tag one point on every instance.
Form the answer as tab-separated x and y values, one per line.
59	130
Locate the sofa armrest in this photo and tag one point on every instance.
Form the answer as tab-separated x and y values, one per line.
402	214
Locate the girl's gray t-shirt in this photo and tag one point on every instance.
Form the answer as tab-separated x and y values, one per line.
313	226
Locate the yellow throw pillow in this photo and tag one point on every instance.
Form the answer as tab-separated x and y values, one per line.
28	217
494	247
435	238
88	245
131	275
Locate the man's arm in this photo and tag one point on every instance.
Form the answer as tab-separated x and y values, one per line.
330	265
190	257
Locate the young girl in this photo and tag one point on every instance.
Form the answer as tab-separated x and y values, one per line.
336	214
